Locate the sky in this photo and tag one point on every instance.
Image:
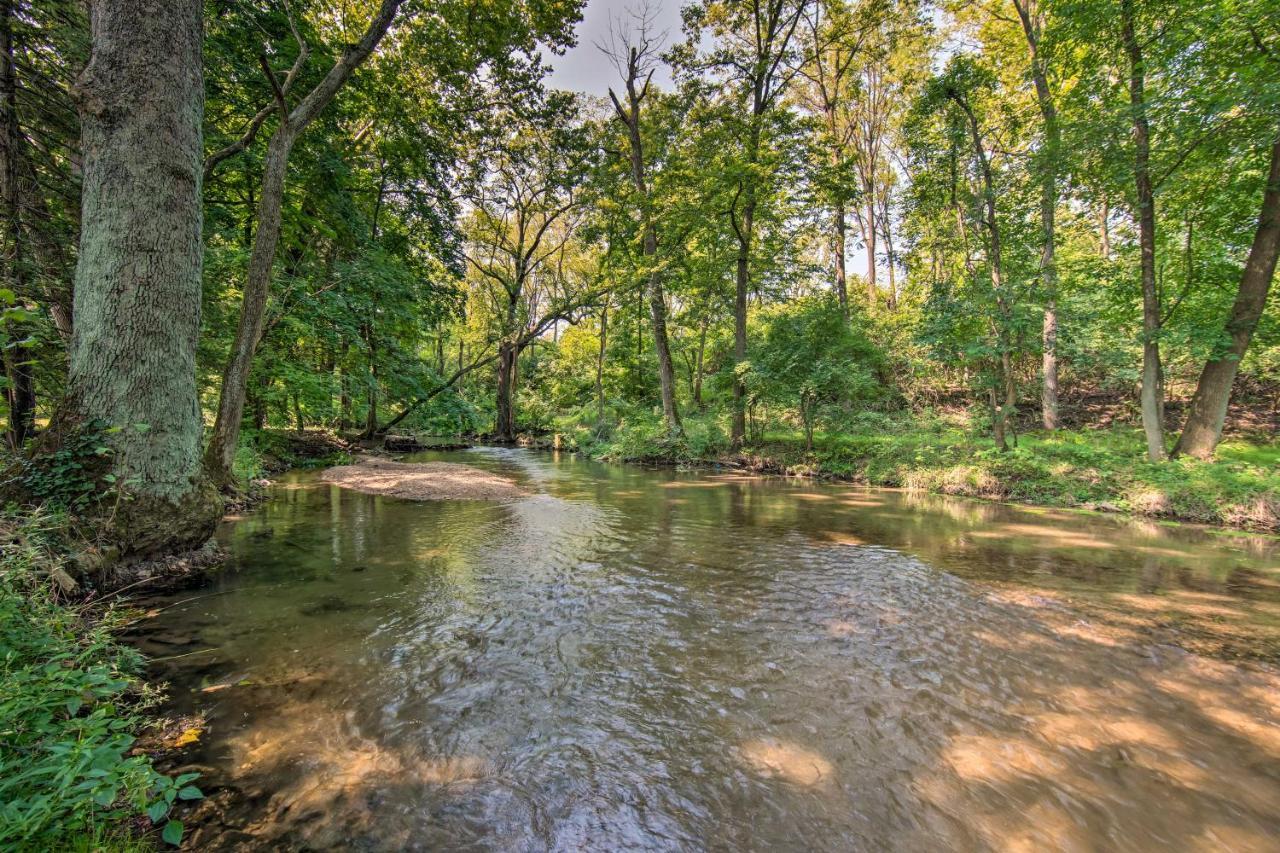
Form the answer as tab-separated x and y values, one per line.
584	68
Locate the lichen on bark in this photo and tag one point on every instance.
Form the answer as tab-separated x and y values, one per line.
138	277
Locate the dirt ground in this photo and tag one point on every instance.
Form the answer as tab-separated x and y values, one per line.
423	481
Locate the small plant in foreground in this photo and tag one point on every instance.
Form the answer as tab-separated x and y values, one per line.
70	704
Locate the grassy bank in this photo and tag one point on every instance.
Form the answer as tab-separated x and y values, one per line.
72	705
261	453
1095	469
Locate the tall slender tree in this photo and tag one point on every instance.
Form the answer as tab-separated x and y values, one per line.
756	53
1152	392
1032	18
834	35
957	86
633	52
293	122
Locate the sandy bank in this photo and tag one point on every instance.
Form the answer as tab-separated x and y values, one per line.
423	481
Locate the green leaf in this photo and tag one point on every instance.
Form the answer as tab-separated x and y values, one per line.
157	810
190	793
172	833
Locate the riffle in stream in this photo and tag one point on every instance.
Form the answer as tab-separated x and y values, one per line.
635	659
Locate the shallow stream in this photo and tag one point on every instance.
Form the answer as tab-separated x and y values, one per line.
651	659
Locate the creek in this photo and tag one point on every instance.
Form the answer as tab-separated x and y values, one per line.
658	659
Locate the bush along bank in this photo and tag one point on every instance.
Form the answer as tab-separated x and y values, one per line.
73	704
1088	469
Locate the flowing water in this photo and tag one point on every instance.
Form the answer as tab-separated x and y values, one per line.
635	659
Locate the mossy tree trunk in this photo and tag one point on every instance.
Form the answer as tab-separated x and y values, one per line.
138	279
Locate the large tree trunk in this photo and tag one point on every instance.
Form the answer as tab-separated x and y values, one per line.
138	279
226	428
505	427
666	367
1152	395
1049	365
1203	429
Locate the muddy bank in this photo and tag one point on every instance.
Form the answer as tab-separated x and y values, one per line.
423	481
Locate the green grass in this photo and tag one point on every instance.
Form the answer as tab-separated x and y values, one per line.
1104	469
71	705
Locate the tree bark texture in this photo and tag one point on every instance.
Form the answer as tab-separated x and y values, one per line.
138	279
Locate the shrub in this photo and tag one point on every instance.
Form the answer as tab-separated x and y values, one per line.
704	438
71	476
70	704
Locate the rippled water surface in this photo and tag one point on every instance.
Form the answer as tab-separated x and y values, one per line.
637	660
